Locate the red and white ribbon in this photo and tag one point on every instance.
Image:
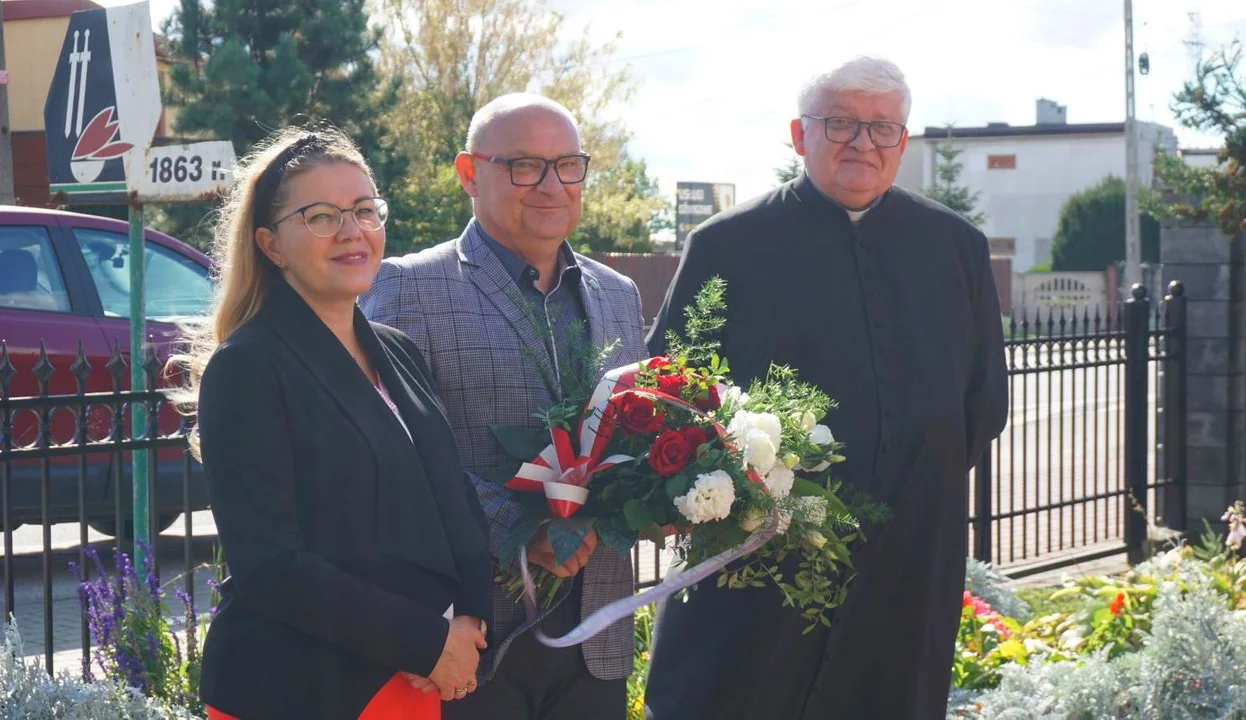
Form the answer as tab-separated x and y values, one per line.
561	474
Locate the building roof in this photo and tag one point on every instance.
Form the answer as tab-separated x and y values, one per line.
1006	130
33	9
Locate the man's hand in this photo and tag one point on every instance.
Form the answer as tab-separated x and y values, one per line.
542	553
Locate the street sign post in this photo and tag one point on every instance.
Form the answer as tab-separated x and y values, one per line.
101	114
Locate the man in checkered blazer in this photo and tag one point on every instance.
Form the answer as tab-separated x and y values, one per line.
481	308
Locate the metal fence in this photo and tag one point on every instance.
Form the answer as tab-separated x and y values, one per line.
1094	449
1095	441
67	457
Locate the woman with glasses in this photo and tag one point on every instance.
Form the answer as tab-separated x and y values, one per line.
360	576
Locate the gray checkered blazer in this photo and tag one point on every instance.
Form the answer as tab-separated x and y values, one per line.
452	300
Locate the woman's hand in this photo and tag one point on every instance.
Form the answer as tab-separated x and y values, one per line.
455	673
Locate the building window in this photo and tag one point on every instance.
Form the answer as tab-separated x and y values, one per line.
1001	162
1003	247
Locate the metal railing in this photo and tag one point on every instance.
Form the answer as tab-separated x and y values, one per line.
1095	437
53	471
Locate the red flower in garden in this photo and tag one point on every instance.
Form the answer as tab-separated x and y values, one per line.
1118	605
637	414
658	362
669	453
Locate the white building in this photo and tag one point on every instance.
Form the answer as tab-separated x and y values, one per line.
1024	174
1201	157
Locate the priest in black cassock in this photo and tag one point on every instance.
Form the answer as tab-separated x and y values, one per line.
885	300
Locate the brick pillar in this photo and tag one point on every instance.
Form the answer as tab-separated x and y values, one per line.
1212	268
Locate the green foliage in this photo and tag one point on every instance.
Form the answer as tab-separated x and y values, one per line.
449	58
1090	234
791	169
1214	101
247	68
706	319
947	189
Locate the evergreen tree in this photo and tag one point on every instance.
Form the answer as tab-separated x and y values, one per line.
947	190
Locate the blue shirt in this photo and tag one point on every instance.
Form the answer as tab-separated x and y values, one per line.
557	311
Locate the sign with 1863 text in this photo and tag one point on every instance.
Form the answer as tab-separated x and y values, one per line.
186	172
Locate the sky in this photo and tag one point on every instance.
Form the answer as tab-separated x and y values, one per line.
716	82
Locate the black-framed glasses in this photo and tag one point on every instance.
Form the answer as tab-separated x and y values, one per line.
529	171
325	219
844	130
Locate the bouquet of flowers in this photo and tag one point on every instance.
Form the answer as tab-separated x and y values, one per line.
741	477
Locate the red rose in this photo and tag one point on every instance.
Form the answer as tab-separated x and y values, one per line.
708	399
671	384
658	362
669	453
637	414
695	437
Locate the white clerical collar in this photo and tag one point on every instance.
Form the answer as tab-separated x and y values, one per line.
854	215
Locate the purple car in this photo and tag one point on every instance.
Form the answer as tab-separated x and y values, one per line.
65	280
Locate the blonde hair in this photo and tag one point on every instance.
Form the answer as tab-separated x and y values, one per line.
243	273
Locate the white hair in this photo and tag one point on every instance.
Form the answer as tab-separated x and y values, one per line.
504	105
864	74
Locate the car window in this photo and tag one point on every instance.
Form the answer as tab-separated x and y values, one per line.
176	286
30	277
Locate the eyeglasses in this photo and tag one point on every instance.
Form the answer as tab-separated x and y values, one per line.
844	130
325	219
529	171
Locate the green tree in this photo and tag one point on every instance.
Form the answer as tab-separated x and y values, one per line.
251	66
1214	101
453	56
791	169
1090	234
947	189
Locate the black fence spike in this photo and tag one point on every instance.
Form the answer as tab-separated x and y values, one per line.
43	368
116	364
81	367
7	371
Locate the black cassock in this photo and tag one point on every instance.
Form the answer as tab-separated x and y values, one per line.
897	319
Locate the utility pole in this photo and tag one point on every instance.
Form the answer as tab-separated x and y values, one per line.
1133	247
7	195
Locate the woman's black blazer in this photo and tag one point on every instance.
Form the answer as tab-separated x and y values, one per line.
345	540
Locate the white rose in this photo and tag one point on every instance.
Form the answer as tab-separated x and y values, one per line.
744	423
821	435
759	452
779	481
709	499
769	424
807	421
731	396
